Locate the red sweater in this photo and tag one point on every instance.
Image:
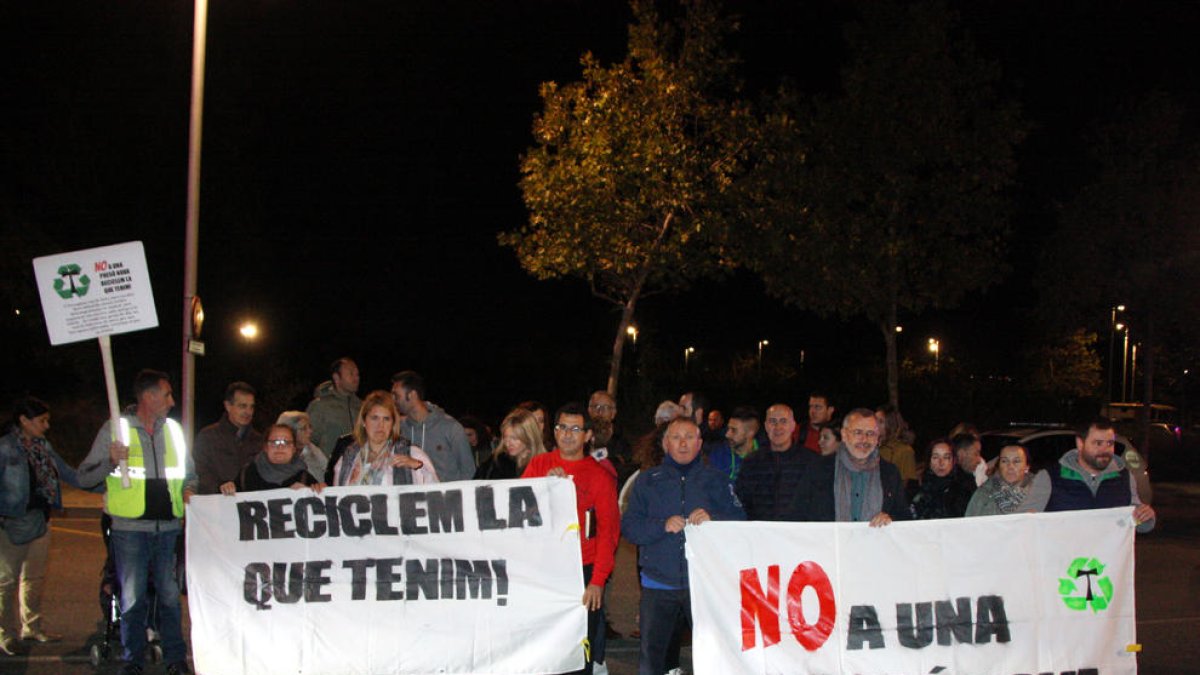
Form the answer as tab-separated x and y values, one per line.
595	489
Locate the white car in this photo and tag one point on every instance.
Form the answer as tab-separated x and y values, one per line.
1047	443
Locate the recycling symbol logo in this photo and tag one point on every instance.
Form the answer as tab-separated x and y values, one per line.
1085	586
69	287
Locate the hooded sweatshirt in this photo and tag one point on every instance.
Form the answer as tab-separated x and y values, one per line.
443	439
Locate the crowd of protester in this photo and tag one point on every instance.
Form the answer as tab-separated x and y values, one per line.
697	464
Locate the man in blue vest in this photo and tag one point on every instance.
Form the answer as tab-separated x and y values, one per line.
145	499
1092	477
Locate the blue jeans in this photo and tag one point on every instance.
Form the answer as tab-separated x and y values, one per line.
141	557
660	616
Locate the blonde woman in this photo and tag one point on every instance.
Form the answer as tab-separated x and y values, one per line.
380	455
520	440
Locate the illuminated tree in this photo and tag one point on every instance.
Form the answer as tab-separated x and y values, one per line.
630	164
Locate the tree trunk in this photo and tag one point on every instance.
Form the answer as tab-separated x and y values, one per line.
614	371
888	326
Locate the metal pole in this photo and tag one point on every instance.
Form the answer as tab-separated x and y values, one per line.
192	242
1112	338
1124	363
1133	374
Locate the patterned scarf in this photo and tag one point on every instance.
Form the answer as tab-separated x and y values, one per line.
45	473
378	471
857	489
1009	497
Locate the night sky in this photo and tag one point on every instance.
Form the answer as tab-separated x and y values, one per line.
360	157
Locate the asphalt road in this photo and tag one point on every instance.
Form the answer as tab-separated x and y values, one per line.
1168	592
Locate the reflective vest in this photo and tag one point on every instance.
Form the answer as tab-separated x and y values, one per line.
130	502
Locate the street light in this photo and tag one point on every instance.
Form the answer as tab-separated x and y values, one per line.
632	331
899	329
761	344
687	356
935	348
249	331
1112	339
1133	373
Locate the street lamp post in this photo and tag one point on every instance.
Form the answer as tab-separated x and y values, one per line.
1133	373
1124	358
761	344
935	348
687	357
632	331
191	250
1112	343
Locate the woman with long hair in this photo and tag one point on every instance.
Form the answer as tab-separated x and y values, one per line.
1011	489
379	454
520	441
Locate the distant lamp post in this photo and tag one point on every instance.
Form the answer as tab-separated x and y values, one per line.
632	331
761	344
1124	358
1112	343
1133	373
687	357
935	348
249	331
899	329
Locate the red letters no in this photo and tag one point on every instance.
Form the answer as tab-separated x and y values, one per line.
760	608
810	636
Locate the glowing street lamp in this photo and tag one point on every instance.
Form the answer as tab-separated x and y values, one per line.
249	331
935	348
632	331
687	356
761	344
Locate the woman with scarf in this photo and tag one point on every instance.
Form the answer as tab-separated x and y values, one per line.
945	489
278	465
379	454
1011	489
314	457
853	484
31	476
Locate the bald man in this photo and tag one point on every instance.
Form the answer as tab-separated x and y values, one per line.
768	478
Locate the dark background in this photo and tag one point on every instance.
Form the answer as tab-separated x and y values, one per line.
360	158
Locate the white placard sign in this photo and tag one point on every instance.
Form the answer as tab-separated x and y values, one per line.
465	577
1030	593
94	292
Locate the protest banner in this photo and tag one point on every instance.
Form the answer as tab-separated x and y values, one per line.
1029	593
466	577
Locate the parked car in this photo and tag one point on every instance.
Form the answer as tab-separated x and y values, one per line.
1048	442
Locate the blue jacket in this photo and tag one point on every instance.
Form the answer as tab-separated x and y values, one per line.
14	475
671	490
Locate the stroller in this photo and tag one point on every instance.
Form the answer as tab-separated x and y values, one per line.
105	646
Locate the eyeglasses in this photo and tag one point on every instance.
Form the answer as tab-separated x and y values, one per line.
860	433
279	442
573	429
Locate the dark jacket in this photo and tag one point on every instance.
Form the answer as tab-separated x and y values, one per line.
768	479
814	497
498	467
221	453
943	497
671	490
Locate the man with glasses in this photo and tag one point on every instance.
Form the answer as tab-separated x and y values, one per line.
768	478
853	484
224	447
596	503
607	443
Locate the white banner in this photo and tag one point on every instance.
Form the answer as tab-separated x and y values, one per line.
468	577
94	292
1030	593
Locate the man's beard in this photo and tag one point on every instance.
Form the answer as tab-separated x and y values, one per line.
1099	462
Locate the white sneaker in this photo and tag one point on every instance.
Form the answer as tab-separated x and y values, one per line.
598	668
